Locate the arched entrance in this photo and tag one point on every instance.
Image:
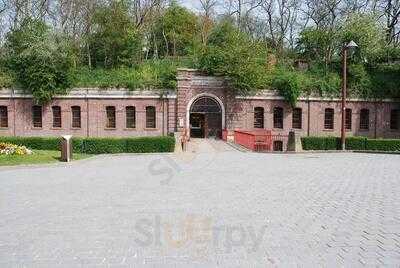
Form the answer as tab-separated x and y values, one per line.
205	118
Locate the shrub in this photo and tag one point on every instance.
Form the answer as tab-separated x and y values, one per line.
320	143
98	145
383	145
356	143
151	74
352	143
36	143
288	86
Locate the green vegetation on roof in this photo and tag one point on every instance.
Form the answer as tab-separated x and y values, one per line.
117	50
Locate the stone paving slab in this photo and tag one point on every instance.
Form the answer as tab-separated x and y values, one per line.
210	207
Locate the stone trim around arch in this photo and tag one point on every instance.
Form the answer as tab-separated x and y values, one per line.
190	103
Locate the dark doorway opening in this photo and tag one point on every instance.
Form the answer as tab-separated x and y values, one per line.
197	125
205	118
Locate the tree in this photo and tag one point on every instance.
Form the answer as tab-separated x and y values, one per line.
39	59
115	40
367	33
206	19
318	45
176	31
234	55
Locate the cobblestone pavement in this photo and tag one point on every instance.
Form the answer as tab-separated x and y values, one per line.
210	207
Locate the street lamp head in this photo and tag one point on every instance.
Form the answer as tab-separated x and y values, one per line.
351	45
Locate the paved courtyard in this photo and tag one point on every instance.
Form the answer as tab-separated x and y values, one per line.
210	207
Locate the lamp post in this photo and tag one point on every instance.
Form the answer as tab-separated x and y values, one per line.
350	45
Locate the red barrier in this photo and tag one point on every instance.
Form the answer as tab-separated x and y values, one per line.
245	139
260	140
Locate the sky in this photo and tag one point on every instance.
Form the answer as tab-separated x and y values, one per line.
192	4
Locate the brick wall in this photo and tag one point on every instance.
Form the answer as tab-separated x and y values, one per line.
171	111
93	117
240	110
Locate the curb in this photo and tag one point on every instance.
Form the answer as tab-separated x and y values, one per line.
79	161
332	151
377	152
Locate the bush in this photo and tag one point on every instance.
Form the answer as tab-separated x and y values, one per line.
383	145
36	143
320	143
98	145
352	143
151	74
356	143
288	86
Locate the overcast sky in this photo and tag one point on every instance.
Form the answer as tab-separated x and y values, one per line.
192	4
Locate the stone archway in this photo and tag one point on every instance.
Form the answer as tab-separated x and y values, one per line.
205	116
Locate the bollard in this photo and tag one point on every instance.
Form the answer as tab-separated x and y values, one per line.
66	148
294	142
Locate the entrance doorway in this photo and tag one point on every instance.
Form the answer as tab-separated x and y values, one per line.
205	118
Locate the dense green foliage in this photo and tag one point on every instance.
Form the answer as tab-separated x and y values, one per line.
231	53
369	74
99	145
159	74
124	145
5	79
35	143
39	59
175	32
115	41
320	143
352	143
119	47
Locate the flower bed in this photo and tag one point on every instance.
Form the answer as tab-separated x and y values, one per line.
12	149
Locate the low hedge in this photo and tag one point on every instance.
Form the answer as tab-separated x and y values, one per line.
320	143
383	145
356	143
36	143
352	143
99	145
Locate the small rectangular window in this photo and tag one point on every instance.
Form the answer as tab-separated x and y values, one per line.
394	119
258	117
329	118
3	116
364	119
130	117
56	116
76	116
348	121
297	118
37	116
150	117
278	117
110	112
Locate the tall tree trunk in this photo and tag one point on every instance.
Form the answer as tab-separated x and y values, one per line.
166	43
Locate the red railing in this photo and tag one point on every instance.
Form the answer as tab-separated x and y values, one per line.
261	140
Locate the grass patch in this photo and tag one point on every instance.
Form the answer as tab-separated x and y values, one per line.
151	74
38	157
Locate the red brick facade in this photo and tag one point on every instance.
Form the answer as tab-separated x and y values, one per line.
172	111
